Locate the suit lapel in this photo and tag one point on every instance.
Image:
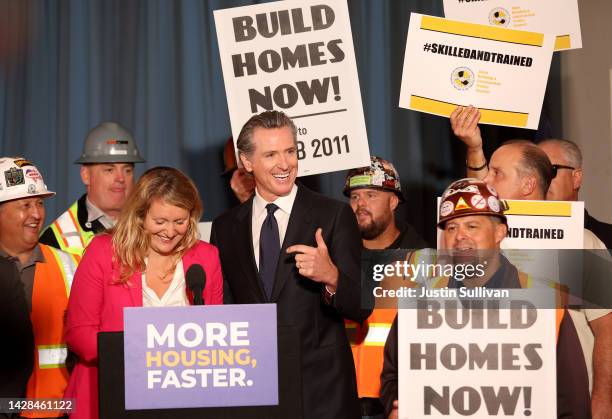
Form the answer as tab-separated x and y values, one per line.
297	233
244	243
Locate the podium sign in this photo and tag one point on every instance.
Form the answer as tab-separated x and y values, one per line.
200	356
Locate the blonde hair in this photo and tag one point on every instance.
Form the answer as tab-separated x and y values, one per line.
130	241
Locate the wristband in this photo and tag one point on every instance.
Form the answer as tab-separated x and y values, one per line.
476	169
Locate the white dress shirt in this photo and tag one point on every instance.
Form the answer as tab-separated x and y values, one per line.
175	295
284	203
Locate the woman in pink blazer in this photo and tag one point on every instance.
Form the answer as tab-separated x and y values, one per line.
141	262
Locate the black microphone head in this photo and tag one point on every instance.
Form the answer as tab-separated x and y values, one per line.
196	278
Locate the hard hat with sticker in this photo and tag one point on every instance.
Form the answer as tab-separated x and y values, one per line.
19	178
380	174
469	197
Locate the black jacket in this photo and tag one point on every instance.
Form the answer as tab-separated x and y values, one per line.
328	372
17	348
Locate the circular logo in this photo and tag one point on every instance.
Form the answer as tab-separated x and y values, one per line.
478	202
493	204
446	208
492	190
31	188
462	78
499	17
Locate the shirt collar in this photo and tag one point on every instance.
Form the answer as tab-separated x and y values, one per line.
285	203
36	257
94	213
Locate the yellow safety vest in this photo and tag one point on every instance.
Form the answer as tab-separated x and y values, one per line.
69	233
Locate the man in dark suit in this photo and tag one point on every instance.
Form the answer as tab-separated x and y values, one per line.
300	250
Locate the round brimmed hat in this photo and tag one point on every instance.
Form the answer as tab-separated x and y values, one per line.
470	197
380	174
20	179
109	142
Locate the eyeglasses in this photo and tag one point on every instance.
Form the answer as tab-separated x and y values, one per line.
556	168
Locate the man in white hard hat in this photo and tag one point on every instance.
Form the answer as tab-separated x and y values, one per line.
107	170
46	274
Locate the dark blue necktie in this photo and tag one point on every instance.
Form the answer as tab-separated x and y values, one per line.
269	250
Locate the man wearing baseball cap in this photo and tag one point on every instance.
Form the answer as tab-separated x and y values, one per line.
46	274
107	170
375	192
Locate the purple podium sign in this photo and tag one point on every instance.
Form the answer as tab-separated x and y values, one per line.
200	356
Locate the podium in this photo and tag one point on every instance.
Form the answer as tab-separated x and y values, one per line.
111	385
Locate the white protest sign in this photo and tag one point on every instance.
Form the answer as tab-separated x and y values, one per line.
297	57
461	362
204	229
546	225
501	71
557	17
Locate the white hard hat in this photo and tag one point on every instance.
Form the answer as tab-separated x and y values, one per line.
20	179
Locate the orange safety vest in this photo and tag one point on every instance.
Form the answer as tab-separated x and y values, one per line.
52	282
367	343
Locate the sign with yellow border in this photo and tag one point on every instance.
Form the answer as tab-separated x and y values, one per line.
557	17
501	71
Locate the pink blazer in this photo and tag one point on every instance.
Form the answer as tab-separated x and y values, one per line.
96	305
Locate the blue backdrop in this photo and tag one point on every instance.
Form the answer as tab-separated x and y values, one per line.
153	66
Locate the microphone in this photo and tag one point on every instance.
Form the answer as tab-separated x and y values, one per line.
196	281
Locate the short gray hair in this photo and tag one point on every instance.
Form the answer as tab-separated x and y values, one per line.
570	151
268	120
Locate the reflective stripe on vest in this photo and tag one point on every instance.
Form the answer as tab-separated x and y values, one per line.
377	334
367	344
52	356
69	233
52	281
67	264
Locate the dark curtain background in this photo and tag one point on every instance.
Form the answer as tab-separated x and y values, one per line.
153	66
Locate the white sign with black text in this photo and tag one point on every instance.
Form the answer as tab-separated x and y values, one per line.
457	361
297	57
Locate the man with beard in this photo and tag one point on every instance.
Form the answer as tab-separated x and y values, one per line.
375	192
